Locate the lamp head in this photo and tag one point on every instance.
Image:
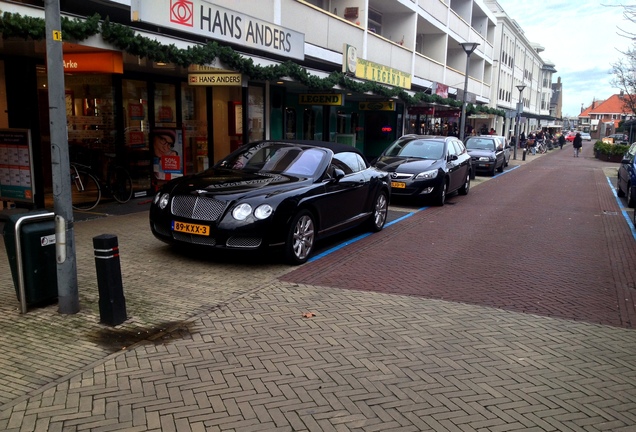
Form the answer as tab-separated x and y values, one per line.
469	47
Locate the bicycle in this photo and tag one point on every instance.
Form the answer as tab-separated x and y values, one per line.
86	187
541	146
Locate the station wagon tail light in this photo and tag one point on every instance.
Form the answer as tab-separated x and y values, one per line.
426	175
163	200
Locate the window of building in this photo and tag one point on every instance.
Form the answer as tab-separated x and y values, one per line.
256	113
135	101
375	21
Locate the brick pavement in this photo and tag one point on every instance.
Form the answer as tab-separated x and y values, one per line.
510	344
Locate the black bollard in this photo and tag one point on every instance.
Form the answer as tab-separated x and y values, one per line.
524	154
112	304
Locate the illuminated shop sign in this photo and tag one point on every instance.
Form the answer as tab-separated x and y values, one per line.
104	62
370	71
334	99
209	20
215	79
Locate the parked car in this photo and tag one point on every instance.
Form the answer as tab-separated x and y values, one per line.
570	136
426	166
619	138
488	153
626	182
270	194
585	136
506	146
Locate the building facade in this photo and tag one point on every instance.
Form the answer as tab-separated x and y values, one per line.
204	77
603	117
519	66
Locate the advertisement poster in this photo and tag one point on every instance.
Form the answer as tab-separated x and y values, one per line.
167	153
16	173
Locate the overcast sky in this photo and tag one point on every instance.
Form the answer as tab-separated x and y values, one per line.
582	39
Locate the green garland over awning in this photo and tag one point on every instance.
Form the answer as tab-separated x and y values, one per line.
125	39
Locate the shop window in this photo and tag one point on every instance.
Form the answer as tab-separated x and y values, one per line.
355	122
135	102
195	128
91	120
309	124
341	122
256	113
165	101
290	123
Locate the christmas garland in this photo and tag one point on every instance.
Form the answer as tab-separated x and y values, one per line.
125	39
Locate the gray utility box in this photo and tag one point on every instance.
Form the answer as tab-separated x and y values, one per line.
37	244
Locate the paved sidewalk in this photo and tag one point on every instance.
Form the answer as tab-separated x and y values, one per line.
519	317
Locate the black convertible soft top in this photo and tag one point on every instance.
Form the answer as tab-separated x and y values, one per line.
334	147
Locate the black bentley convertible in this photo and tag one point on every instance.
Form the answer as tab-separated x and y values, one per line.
268	194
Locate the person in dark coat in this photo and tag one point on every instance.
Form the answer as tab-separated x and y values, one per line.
561	141
577	144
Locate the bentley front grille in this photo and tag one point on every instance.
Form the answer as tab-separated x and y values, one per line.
197	207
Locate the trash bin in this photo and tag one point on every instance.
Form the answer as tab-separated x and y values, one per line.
37	244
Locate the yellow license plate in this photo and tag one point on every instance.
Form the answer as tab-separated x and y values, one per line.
398	185
189	228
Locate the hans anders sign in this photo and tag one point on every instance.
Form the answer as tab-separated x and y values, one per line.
207	19
215	79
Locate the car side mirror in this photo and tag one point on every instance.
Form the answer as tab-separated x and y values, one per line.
337	174
625	160
452	157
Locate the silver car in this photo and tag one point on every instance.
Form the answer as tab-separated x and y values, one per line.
586	136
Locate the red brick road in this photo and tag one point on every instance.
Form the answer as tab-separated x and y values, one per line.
214	346
546	239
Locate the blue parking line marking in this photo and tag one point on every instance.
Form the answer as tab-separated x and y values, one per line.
507	171
340	246
623	211
360	237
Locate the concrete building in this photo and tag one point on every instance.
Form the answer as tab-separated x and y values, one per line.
519	65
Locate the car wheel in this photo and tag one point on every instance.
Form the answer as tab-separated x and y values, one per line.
466	186
619	191
300	239
493	172
440	199
380	210
631	198
501	167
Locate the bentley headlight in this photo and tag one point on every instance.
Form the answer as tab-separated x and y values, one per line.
263	211
155	200
163	201
242	211
426	175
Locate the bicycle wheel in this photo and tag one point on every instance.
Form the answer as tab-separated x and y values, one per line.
120	184
85	191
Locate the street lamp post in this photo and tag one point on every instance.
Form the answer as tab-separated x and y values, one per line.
468	47
520	87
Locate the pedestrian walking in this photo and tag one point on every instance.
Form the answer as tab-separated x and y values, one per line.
577	144
561	141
